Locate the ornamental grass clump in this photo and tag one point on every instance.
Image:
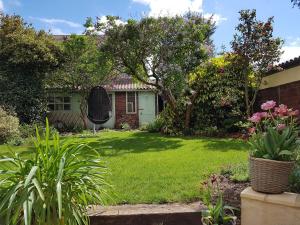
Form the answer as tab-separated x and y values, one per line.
52	185
274	132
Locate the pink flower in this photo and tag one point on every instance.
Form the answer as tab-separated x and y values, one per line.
268	105
255	118
263	114
281	110
251	130
294	113
280	126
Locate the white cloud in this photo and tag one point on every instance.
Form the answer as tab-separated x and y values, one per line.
1	6
171	7
53	21
291	49
57	31
217	18
178	7
103	19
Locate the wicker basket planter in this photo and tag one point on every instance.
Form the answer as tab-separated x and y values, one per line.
269	176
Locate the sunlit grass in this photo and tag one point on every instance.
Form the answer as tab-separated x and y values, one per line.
150	168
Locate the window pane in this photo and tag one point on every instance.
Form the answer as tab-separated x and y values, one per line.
67	99
59	100
59	107
67	107
50	99
51	107
130	107
131	102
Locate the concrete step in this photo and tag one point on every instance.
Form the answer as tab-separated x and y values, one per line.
143	214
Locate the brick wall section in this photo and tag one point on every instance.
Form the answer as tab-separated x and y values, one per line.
288	94
121	116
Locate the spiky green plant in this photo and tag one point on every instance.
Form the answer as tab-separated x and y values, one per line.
53	185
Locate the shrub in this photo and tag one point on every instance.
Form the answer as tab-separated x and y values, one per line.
156	125
236	173
55	186
294	180
9	125
125	126
29	130
220	102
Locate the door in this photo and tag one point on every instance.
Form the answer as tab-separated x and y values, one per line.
146	107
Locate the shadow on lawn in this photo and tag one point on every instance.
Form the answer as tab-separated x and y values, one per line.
136	143
225	145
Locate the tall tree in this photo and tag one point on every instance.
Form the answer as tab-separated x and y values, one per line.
26	57
257	49
160	52
84	68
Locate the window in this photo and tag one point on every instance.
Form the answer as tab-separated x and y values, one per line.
130	102
59	103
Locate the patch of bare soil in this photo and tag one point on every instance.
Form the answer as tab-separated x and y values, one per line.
232	193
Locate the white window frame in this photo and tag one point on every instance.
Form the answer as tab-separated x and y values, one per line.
127	102
63	103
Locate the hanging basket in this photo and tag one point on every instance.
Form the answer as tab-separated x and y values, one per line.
269	176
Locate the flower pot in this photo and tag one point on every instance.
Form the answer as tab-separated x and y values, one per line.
269	176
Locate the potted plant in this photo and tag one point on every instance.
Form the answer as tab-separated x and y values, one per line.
274	147
217	213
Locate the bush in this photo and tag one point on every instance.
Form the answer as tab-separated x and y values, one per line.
29	130
125	126
237	173
294	181
155	126
220	101
9	125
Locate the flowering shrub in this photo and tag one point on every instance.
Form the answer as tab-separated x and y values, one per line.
216	213
9	125
274	132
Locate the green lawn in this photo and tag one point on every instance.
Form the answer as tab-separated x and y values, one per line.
150	168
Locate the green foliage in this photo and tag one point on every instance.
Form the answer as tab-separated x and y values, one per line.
9	125
84	68
274	144
53	186
294	180
164	49
258	51
275	133
216	213
125	126
156	125
237	173
26	58
220	100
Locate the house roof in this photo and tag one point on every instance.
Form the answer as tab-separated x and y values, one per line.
285	65
126	83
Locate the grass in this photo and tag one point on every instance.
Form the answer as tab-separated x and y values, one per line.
150	168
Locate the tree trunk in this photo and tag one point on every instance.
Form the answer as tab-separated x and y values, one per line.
170	99
246	89
189	111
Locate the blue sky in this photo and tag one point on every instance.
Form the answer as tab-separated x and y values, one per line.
67	16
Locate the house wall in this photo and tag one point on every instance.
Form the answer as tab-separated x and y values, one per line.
121	115
282	87
70	117
281	78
